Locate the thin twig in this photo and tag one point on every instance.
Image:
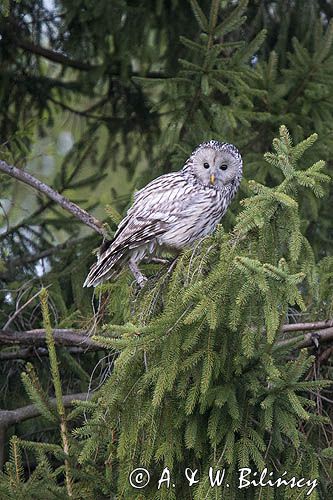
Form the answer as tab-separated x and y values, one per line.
11	318
65	203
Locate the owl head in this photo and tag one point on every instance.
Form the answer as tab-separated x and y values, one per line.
216	164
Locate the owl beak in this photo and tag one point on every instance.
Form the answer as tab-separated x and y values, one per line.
212	179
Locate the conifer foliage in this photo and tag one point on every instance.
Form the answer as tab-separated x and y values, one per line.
201	380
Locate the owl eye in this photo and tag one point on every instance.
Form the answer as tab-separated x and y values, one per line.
224	167
206	165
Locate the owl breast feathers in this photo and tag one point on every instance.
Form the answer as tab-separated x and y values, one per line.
173	211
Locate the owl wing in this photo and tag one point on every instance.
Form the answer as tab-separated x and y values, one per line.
155	207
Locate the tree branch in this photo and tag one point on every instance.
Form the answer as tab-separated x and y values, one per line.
308	339
62	337
60	58
10	417
38	352
65	203
31	258
319	325
51	55
81	338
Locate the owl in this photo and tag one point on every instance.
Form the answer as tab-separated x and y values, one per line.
172	212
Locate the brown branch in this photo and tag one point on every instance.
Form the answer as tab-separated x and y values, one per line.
296	327
38	352
81	339
10	417
62	337
65	203
51	55
308	339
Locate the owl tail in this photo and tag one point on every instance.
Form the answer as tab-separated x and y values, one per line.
107	266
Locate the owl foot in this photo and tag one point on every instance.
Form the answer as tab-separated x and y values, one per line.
139	277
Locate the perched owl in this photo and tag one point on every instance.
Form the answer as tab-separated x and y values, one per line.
173	211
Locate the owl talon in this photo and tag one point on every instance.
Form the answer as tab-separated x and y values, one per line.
139	277
142	281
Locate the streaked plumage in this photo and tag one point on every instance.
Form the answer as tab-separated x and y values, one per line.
173	211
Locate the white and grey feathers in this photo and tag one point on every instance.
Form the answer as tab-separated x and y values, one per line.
173	211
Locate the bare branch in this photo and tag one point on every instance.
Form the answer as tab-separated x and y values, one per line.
10	417
296	327
308	339
65	203
38	352
63	337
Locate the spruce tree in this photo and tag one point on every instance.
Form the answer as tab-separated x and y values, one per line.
201	379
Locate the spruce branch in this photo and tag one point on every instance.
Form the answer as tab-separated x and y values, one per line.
81	341
65	203
57	386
